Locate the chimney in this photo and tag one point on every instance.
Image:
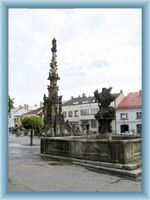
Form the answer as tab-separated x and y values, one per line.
20	106
83	95
71	97
41	103
27	106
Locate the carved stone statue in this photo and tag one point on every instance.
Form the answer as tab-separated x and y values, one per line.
53	49
52	104
106	113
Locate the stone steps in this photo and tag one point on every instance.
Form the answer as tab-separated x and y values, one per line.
132	170
115	171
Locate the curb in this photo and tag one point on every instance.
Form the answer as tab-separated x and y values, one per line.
111	168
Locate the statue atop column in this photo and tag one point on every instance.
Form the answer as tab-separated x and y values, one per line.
52	104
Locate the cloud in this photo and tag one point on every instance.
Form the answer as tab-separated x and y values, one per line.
98	64
96	48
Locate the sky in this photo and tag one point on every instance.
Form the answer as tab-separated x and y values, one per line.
96	48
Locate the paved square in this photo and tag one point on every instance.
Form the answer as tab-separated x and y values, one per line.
28	172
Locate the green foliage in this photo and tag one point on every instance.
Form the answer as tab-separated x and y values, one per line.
10	104
33	122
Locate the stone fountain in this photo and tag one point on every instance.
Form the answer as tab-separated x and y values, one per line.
116	154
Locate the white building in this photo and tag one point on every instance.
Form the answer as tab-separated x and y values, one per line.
11	121
16	114
81	111
129	114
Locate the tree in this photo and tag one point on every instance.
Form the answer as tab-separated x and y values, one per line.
32	123
10	104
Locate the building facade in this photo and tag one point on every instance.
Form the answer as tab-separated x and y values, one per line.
129	114
81	110
16	115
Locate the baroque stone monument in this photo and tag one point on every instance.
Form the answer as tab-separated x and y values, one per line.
52	109
106	113
52	105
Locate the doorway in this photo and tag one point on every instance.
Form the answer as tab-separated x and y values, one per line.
124	128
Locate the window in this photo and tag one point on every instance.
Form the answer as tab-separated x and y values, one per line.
139	128
76	113
93	124
15	120
138	115
76	123
123	116
94	111
65	114
70	114
84	112
124	128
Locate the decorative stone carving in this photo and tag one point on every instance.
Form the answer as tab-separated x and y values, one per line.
106	113
53	49
52	105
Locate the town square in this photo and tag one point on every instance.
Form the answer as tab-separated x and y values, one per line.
75	101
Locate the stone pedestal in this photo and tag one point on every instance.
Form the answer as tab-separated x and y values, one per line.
105	136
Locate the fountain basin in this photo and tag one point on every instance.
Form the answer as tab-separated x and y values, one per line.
121	150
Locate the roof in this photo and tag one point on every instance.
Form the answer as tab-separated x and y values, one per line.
20	111
131	101
83	100
34	112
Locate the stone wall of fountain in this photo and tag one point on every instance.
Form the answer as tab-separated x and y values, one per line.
113	151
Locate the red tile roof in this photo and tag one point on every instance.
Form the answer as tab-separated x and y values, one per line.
131	101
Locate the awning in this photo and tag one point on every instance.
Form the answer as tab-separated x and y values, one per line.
84	122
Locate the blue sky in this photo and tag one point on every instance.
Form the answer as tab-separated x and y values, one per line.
96	48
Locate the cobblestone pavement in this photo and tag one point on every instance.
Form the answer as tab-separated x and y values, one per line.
29	172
